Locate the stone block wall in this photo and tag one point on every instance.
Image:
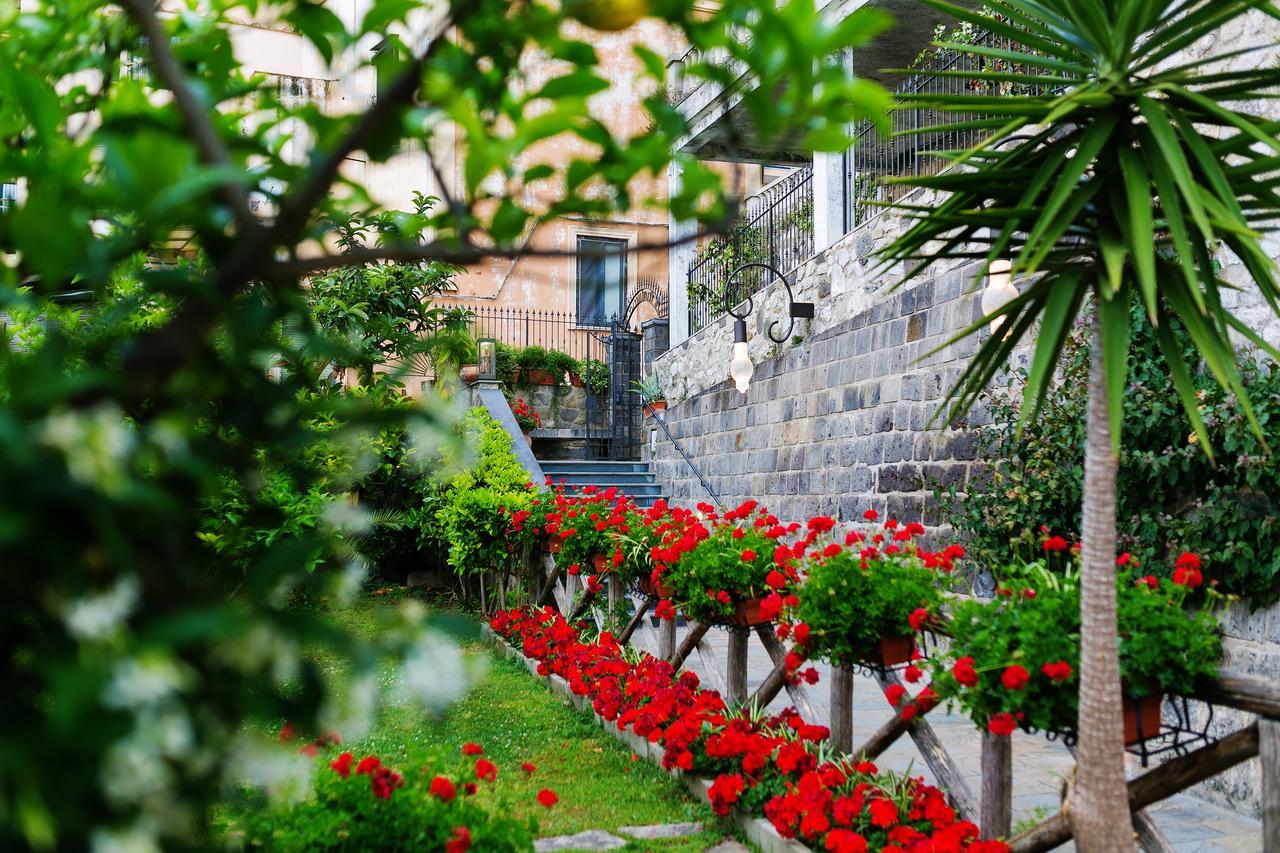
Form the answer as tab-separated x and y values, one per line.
838	423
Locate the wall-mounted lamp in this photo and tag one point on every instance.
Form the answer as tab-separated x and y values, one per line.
740	367
999	291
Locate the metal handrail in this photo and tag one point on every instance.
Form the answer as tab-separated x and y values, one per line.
694	468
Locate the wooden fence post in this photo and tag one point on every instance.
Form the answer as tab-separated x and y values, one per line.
1269	758
736	679
842	709
667	638
997	785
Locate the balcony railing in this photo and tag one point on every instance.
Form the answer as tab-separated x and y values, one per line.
873	157
776	228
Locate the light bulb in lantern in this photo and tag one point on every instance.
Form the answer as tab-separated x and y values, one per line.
999	291
741	367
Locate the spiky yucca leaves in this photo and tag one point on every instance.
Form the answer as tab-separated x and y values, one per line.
1117	176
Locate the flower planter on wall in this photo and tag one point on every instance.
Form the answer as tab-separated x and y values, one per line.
747	614
892	650
1145	711
655	408
534	377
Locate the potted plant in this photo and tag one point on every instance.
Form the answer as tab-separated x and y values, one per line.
865	597
588	527
526	418
730	575
651	395
1014	661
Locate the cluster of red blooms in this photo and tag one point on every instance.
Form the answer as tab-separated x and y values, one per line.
526	417
771	766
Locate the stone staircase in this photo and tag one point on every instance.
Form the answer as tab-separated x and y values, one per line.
634	478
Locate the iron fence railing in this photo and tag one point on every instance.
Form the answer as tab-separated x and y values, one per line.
776	228
524	327
873	157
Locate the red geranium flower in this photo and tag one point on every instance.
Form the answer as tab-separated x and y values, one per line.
527	767
964	672
845	841
1002	724
894	693
368	764
1187	576
1014	677
1149	581
1058	672
747	555
342	764
884	813
871	515
384	780
460	842
1056	543
776	579
547	797
918	618
442	789
486	770
472	749
1187	560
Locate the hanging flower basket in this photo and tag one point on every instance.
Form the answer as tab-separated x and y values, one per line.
892	650
1141	718
747	614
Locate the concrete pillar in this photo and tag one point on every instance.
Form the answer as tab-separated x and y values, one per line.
828	199
678	260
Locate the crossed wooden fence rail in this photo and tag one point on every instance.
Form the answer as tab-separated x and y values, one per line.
992	808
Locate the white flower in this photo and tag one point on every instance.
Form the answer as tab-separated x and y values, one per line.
96	616
127	840
281	772
351	711
434	672
96	444
347	517
139	682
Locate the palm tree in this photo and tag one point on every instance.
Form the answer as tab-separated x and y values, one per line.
1116	172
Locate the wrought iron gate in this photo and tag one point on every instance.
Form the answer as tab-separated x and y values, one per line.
613	419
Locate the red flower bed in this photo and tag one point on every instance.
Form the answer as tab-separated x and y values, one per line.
767	766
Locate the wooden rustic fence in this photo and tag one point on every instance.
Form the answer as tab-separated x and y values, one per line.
991	808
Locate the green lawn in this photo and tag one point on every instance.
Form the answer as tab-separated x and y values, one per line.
517	719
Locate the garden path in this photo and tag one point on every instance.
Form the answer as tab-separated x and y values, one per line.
1191	825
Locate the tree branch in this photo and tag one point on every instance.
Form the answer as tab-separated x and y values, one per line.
453	253
194	114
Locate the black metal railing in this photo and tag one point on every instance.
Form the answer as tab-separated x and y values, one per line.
524	327
873	157
776	228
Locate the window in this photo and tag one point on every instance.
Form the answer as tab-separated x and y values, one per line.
137	62
602	279
8	196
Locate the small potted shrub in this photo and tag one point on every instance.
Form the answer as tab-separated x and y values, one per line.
526	418
730	575
865	597
1014	660
532	367
651	394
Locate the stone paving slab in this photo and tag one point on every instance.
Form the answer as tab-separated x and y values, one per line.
592	839
662	830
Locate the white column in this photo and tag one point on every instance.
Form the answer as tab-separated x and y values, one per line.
828	199
678	259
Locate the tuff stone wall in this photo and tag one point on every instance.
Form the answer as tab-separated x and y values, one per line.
837	423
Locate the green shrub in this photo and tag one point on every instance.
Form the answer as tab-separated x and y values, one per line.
355	808
1170	497
1014	660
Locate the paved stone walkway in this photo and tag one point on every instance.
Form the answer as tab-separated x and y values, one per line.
1191	825
598	839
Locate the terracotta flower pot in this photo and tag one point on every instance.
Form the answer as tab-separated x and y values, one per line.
1144	711
469	373
893	650
577	381
528	439
747	614
599	562
656	407
648	587
536	377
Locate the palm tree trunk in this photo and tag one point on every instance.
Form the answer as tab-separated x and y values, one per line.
1100	810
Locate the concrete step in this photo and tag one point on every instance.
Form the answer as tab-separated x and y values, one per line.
551	466
599	477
